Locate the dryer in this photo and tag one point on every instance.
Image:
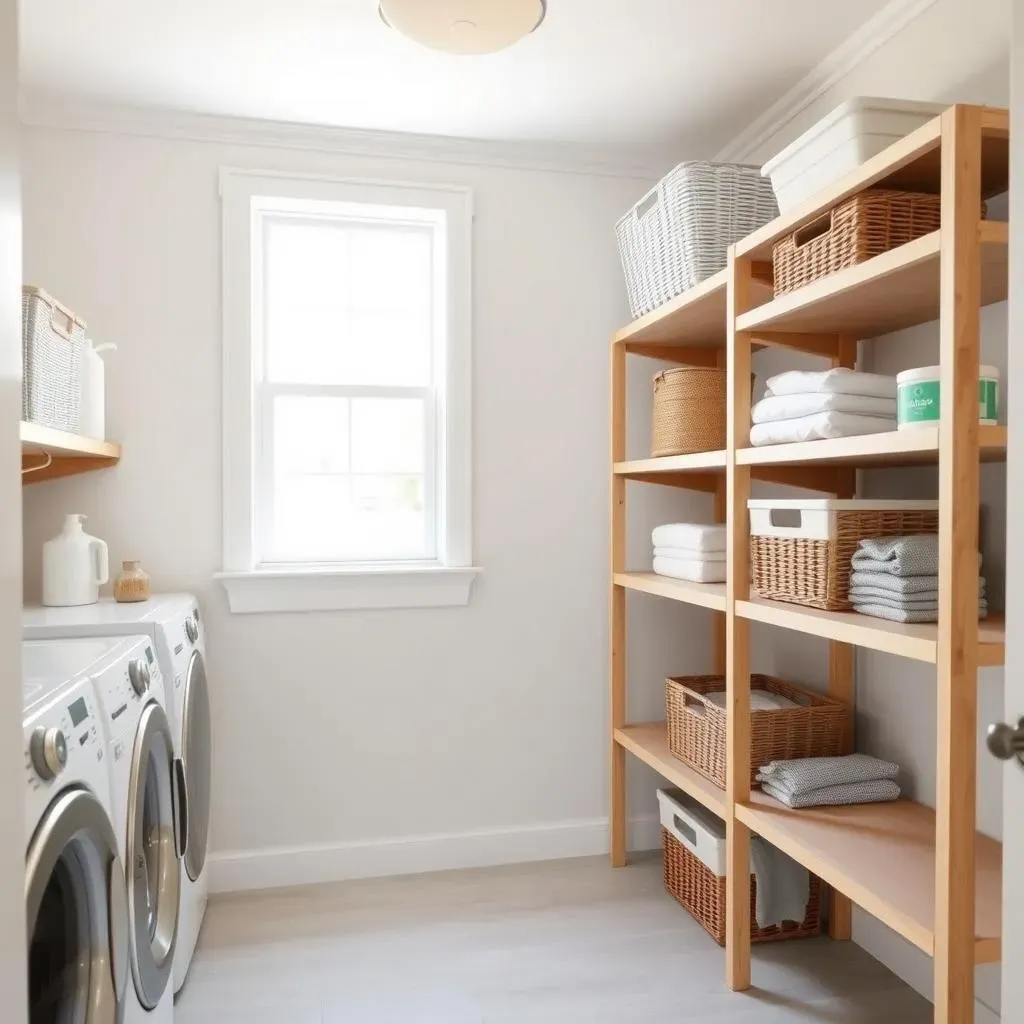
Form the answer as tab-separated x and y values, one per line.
174	624
76	907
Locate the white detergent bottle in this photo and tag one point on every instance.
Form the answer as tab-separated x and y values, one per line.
92	417
75	565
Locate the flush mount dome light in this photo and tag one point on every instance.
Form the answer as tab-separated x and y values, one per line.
464	26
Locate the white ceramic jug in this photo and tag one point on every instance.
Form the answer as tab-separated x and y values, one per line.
75	565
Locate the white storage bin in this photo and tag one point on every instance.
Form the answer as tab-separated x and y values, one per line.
700	831
52	342
840	142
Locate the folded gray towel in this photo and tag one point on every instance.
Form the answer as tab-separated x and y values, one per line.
802	774
913	555
897	614
783	885
874	792
908	603
902	584
864	595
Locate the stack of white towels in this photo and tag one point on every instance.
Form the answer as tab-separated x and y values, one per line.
690	551
805	406
897	578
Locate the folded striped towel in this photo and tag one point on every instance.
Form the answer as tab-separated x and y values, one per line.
802	774
865	595
908	602
897	584
694	536
872	792
913	555
689	554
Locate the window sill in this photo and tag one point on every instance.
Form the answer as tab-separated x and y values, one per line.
315	589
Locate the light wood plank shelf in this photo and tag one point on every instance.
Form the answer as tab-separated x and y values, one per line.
882	856
918	447
649	743
697	318
704	595
918	641
47	454
898	289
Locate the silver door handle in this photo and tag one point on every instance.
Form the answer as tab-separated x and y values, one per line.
1006	742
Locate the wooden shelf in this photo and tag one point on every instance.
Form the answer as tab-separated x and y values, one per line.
918	447
47	454
916	641
882	856
699	472
650	744
898	289
697	318
705	595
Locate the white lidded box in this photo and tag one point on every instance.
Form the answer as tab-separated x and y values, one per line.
818	518
840	142
700	831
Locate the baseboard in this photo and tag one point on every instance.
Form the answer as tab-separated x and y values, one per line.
915	968
278	867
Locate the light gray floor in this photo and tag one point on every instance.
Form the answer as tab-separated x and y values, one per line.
551	943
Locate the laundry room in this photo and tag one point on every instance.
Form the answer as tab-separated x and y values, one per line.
495	538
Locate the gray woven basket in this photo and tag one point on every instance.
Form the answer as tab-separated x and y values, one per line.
52	341
680	232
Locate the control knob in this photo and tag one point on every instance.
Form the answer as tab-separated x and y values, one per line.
49	752
138	674
191	630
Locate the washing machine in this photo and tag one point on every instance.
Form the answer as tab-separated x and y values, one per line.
147	802
174	624
76	906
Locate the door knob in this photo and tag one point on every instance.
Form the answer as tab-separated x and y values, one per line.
1005	741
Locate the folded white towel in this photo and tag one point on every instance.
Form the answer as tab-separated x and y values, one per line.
689	554
818	426
791	407
760	700
837	381
695	536
695	572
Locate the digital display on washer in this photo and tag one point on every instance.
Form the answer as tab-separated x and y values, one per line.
78	711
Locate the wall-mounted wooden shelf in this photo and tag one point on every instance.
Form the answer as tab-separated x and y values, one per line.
47	454
927	874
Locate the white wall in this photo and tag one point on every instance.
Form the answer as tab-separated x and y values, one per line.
366	742
12	807
956	50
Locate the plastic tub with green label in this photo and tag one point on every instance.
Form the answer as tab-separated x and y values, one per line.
917	397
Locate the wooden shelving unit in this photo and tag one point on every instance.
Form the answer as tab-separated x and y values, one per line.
925	873
47	454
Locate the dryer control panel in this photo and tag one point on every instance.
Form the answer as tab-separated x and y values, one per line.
124	690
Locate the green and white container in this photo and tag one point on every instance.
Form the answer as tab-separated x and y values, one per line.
918	401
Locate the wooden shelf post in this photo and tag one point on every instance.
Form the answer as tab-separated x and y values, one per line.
957	653
617	618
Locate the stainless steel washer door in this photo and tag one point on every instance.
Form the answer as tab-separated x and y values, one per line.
76	915
195	752
154	879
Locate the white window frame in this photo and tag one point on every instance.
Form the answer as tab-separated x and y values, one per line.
445	580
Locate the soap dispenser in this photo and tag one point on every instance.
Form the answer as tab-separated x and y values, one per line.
75	565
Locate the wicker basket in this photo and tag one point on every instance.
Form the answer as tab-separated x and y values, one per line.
688	411
860	227
52	342
807	561
697	727
700	887
680	232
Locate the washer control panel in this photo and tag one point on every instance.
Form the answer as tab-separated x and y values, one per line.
61	733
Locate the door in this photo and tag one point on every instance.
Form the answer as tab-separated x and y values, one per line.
196	754
76	915
155	842
1013	782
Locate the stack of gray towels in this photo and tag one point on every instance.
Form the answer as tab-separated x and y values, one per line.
830	781
897	578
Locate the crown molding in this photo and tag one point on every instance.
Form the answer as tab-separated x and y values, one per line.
57	112
875	32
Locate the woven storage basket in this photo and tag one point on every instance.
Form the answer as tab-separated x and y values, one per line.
680	232
688	411
52	342
860	227
697	729
815	570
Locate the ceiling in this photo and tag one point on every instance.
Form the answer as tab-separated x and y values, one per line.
630	76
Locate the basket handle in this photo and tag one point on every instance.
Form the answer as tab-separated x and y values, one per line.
815	229
684	832
692	699
648	203
62	320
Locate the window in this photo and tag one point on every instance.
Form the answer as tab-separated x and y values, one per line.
346	392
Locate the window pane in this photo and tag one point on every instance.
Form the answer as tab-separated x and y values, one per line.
309	512
310	435
346	303
387	435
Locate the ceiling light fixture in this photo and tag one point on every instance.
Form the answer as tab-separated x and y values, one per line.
464	26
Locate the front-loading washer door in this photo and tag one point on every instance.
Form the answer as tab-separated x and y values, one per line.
76	915
196	754
154	870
